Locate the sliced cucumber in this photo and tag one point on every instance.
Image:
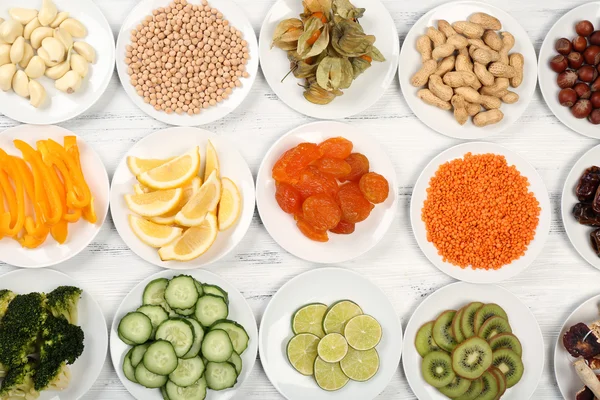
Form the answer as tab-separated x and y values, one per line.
160	358
137	354
220	376
215	291
187	372
128	369
211	308
126	341
199	288
238	335
187	312
216	346
157	315
148	379
163	391
135	327
236	360
198	337
181	292
195	392
179	332
154	293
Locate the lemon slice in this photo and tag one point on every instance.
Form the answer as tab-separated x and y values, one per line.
188	192
309	319
138	166
193	243
363	332
173	174
152	234
329	376
138	188
154	204
338	314
201	203
332	348
212	162
302	353
360	365
230	206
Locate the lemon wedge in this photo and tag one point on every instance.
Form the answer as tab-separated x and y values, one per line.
173	174
201	203
188	192
193	243
152	234
138	166
230	206
212	161
154	204
138	188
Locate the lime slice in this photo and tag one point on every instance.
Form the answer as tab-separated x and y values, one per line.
329	376
309	319
360	365
338	314
302	352
332	348
363	332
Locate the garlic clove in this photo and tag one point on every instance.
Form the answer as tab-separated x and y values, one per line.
36	67
59	70
7	72
27	55
56	50
23	15
40	34
80	65
4	54
20	84
10	30
70	83
64	37
46	57
37	93
17	50
74	27
47	13
60	17
30	27
86	51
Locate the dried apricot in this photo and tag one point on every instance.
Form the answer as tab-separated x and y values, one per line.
374	187
336	167
288	198
310	232
289	167
322	212
355	207
360	166
336	148
312	181
344	228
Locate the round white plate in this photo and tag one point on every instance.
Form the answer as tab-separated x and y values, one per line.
364	92
536	185
568	381
82	232
236	16
239	311
578	234
60	106
340	248
443	121
327	285
565	27
457	295
173	142
86	369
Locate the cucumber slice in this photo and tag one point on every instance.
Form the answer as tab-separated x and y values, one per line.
199	288
195	392
198	337
179	332
238	335
148	379
187	372
154	293
216	346
128	369
236	360
126	341
157	315
181	292
160	358
137	354
163	391
135	327
210	309
220	376
215	291
187	312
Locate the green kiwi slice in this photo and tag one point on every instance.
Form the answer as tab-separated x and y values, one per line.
486	312
437	369
441	332
490	387
456	388
472	358
455	328
474	390
494	326
467	323
510	364
506	341
424	341
501	381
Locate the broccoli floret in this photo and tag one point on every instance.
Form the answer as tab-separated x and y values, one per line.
52	375
6	296
61	342
3	371
62	302
18	383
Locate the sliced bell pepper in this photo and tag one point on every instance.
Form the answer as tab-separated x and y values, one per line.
81	190
33	225
89	212
18	202
60	231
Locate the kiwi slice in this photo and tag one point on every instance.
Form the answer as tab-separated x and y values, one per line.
456	388
468	319
473	391
441	332
455	328
490	387
501	380
437	369
472	358
486	312
506	341
510	364
424	341
494	326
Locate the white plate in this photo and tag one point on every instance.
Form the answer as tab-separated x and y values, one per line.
443	121
237	18
536	185
327	285
364	92
568	381
340	248
173	142
239	311
578	234
457	295
82	232
60	106
86	369
565	27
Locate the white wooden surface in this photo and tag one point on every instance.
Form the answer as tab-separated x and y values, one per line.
552	287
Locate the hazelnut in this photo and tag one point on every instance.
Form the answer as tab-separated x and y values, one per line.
566	79
575	60
594	117
595	85
583	90
587	73
584	28
579	43
581	109
563	46
559	63
595	99
592	55
567	97
595	38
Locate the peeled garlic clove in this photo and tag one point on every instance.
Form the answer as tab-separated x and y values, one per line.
70	83
64	37
44	56
2	41
86	51
4	54
7	72
27	55
54	47
59	70
47	13
30	27
79	65
74	27
60	17
20	84
37	94
40	34
17	50
23	15
10	30
36	67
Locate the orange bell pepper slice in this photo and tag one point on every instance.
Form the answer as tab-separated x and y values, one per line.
60	231
34	241
68	195
81	191
33	225
89	211
16	203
